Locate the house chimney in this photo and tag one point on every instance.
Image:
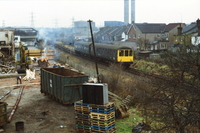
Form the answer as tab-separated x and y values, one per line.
198	26
179	30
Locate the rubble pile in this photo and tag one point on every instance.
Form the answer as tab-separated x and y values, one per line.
6	63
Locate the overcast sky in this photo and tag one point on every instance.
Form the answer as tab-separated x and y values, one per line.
51	13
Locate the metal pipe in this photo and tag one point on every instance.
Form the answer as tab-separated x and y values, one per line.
16	104
5	95
94	51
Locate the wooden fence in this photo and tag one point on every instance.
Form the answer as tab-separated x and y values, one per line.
50	54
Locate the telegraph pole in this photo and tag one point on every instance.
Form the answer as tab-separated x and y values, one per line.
94	51
56	23
3	24
32	20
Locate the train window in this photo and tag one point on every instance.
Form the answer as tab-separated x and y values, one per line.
131	53
126	52
121	53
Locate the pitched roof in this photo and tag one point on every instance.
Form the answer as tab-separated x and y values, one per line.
114	30
192	28
171	26
151	27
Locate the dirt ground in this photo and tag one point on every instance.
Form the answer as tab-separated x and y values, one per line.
40	113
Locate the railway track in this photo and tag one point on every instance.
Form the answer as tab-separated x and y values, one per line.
132	71
70	50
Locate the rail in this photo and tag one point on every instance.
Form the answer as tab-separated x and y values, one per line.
16	104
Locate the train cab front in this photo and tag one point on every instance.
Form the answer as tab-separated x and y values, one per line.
125	56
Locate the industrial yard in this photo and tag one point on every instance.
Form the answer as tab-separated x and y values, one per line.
40	113
123	77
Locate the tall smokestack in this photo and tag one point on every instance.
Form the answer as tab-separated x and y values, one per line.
132	11
126	11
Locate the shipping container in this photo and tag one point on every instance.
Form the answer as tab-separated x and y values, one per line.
62	84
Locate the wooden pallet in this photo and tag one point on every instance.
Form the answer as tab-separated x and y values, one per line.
82	109
104	124
112	130
83	121
83	131
80	103
101	116
102	128
83	127
108	105
102	110
79	115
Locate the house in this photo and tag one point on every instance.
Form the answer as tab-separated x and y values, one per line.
149	36
7	42
116	33
188	35
156	36
27	35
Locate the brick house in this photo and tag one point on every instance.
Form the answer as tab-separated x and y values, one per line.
158	36
116	33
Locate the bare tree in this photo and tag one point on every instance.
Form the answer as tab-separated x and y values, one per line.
142	43
172	101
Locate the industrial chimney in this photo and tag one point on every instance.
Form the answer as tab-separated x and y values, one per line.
126	11
132	11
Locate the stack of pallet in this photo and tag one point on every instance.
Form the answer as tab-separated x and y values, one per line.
93	118
82	116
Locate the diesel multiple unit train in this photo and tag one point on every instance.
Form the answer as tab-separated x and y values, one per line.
106	52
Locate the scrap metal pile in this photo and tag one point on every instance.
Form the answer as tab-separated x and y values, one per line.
6	63
43	62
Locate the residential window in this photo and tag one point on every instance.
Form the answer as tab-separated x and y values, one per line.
134	35
163	46
163	35
158	35
138	35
